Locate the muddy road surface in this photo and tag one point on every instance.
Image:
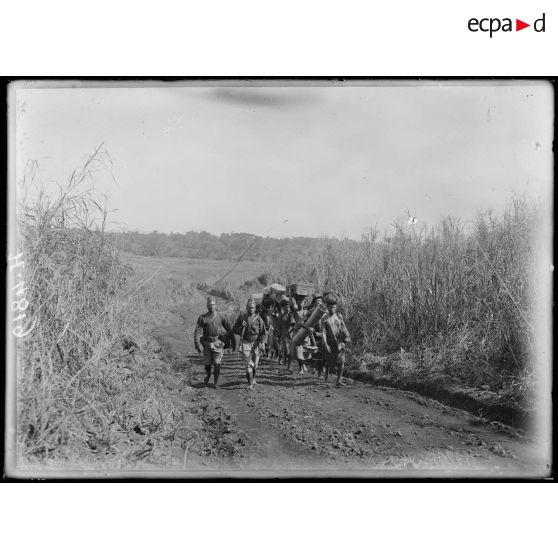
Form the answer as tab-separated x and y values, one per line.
297	425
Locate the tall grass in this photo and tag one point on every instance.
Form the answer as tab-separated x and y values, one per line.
81	384
457	298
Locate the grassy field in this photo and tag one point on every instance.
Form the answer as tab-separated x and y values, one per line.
193	271
166	283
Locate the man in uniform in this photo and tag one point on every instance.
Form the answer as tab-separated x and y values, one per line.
252	331
206	335
336	336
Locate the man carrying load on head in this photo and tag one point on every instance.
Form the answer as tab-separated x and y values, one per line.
317	332
206	335
282	331
252	331
266	315
298	317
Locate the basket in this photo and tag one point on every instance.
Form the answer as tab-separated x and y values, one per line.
301	289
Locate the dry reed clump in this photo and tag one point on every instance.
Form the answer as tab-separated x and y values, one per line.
86	376
455	301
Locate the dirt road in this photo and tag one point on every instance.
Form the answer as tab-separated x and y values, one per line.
297	425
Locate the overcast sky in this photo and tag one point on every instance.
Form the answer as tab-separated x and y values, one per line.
333	160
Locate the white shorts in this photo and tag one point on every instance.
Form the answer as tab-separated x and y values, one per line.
250	353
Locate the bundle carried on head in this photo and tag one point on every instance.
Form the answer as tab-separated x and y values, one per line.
300	289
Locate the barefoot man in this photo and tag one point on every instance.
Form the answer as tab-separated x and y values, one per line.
283	332
318	333
299	315
206	334
251	329
334	340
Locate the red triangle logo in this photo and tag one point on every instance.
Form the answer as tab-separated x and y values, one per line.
519	25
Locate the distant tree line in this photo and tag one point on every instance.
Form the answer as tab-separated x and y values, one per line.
206	245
